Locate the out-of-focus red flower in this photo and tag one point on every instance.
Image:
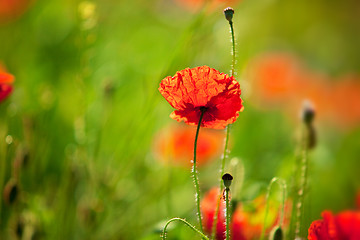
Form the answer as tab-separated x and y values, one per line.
247	220
275	78
203	87
6	81
347	100
195	5
175	144
279	80
343	226
208	208
10	9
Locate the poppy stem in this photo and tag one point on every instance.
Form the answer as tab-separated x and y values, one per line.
233	48
186	223
227	213
196	182
303	181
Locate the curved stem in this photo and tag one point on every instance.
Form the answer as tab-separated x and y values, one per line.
227	213
282	186
186	223
196	182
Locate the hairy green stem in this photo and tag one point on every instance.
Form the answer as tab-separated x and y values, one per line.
303	181
233	48
186	223
215	219
196	182
227	213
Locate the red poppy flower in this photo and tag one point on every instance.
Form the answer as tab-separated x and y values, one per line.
6	80
174	144
343	226
203	87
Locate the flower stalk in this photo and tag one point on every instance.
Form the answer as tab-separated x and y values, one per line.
227	178
228	12
195	177
186	223
307	142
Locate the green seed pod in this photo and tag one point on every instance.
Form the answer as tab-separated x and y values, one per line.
276	234
227	178
308	113
229	13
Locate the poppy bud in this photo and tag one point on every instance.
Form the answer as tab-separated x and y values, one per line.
227	178
229	13
11	192
276	234
308	113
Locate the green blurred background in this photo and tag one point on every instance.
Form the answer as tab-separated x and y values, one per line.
85	110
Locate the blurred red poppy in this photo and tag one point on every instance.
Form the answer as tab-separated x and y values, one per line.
343	226
190	90
6	81
275	78
247	220
175	144
280	80
347	104
195	5
10	9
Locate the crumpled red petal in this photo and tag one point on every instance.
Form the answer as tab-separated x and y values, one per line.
191	89
343	226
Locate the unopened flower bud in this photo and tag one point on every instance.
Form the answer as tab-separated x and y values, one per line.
227	178
229	13
276	234
308	113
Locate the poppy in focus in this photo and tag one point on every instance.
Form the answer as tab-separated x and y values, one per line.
6	81
342	226
247	220
191	90
175	144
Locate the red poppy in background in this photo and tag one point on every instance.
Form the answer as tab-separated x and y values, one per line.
10	9
175	144
6	81
247	220
195	5
276	78
279	80
347	104
203	87
343	226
